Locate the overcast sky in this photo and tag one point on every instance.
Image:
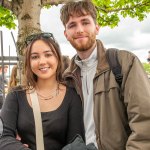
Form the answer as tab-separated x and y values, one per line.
130	34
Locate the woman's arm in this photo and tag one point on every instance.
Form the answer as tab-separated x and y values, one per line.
76	125
9	116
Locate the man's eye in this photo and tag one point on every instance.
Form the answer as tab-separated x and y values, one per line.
85	23
71	26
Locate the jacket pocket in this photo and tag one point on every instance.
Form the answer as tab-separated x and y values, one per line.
105	82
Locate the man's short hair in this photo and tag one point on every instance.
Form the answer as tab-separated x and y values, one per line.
77	8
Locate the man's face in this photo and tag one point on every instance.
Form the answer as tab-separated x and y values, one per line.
81	32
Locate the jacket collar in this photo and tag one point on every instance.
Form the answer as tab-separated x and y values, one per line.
87	63
101	56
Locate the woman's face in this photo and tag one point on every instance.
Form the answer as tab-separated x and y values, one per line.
43	61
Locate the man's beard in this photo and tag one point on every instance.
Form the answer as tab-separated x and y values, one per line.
86	45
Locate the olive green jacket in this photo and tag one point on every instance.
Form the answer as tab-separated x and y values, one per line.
121	115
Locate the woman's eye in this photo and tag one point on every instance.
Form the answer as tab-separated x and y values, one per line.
49	54
34	57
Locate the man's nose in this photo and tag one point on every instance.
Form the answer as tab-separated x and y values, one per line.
80	29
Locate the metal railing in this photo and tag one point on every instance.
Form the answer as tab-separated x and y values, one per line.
6	60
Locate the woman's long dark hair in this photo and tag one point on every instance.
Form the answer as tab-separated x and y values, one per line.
30	78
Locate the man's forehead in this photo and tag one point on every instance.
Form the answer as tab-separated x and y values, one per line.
79	17
78	13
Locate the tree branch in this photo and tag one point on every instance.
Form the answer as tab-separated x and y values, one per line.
53	2
6	4
125	8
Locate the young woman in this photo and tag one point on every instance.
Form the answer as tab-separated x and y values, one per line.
60	106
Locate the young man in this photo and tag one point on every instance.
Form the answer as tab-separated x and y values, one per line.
115	118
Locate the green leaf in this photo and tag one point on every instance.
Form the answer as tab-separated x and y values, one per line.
7	18
109	11
146	67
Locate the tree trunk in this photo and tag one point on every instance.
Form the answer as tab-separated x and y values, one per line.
28	15
28	21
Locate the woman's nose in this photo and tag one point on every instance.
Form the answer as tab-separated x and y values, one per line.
42	60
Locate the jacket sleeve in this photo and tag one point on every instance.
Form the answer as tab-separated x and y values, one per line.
9	115
137	98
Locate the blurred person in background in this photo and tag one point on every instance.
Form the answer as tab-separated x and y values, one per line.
3	83
13	78
148	59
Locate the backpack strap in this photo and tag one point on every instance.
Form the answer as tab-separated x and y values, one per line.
112	58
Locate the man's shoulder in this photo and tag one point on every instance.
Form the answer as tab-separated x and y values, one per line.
126	53
125	56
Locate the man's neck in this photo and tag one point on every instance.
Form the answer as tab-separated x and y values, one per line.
86	54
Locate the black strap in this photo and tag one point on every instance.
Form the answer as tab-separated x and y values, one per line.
112	58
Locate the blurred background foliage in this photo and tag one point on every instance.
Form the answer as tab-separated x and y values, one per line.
146	67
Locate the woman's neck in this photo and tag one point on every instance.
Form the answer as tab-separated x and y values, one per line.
47	85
